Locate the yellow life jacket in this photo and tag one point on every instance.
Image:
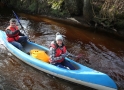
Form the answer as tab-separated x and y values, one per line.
39	54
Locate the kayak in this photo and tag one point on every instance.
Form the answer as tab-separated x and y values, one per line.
83	75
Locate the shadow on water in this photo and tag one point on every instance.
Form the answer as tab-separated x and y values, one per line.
104	53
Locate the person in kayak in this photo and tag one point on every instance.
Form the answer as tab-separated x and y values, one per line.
14	36
58	53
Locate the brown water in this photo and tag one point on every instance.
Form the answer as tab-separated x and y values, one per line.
104	53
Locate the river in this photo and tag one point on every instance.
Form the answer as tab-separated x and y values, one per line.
103	52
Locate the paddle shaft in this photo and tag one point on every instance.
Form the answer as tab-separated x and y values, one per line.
19	21
20	24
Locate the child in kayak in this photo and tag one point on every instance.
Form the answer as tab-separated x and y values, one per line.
14	36
58	53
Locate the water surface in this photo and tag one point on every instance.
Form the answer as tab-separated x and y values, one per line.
104	53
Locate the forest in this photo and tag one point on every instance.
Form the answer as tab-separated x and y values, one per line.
107	14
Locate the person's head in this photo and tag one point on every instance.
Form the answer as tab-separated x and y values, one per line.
59	39
12	22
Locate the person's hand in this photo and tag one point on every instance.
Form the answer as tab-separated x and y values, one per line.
76	56
79	56
63	55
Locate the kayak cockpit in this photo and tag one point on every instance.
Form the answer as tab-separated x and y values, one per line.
28	47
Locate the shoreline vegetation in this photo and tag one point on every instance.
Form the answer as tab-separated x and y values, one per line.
105	16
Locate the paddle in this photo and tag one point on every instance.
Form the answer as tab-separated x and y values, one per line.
18	20
21	25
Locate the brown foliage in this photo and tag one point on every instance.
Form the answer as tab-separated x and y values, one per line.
111	8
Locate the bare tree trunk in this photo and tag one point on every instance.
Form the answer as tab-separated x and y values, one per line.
87	10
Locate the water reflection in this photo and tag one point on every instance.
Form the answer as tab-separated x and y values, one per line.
103	55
